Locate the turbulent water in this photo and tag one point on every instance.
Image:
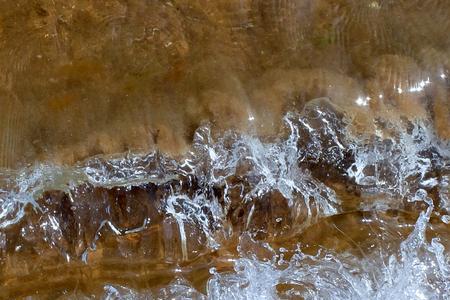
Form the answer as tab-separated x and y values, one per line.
317	213
225	149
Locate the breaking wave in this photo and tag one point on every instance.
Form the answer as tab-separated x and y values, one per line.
261	211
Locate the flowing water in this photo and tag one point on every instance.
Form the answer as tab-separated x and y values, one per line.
225	149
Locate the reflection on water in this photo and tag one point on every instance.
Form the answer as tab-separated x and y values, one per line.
225	149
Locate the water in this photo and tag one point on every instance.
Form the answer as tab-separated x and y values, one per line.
225	150
239	217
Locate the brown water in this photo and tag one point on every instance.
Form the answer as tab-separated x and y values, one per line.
144	141
81	78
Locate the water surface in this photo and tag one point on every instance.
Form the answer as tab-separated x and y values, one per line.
225	149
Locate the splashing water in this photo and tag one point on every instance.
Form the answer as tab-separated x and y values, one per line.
248	211
418	270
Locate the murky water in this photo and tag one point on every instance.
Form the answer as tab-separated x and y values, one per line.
225	149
